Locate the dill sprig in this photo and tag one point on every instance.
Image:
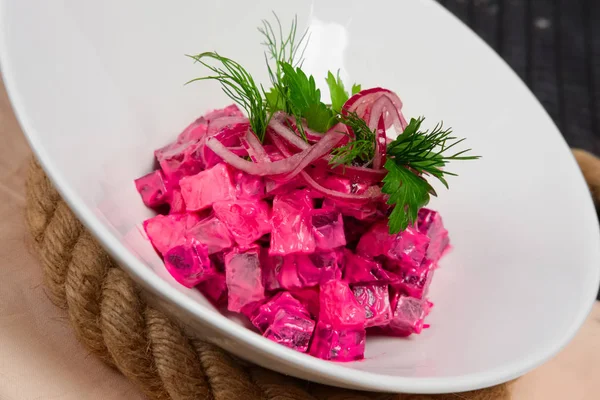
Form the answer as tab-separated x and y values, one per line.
239	85
288	49
426	152
360	150
413	156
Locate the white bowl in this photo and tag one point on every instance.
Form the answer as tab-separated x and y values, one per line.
97	86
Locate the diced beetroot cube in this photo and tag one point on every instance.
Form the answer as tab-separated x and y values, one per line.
189	264
415	281
152	188
430	223
228	133
213	233
176	203
271	265
179	159
309	297
244	279
340	184
291	330
215	289
376	301
358	269
408	315
207	187
194	132
339	307
230	111
291	227
359	211
328	229
166	231
354	229
247	220
334	344
265	314
318	268
408	247
248	186
288	273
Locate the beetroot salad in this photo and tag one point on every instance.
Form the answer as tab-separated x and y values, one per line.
307	218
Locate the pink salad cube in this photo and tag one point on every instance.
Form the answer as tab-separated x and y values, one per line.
430	223
359	211
362	270
189	264
176	203
292	330
179	159
167	231
213	233
305	270
215	289
288	273
244	279
207	187
408	315
194	132
309	297
328	229
228	133
376	301
338	344
339	307
230	111
265	314
248	186
292	230
415	281
408	247
152	188
318	268
247	220
271	265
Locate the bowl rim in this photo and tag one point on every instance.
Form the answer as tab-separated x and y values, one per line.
333	373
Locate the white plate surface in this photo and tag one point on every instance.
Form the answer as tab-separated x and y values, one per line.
98	85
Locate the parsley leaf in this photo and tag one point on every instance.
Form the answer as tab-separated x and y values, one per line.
408	192
302	90
412	156
338	93
275	100
355	89
319	117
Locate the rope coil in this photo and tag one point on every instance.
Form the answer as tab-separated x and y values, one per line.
113	322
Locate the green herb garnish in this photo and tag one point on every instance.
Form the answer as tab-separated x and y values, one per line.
414	155
361	149
239	85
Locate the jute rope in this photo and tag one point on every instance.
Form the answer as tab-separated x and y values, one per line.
113	322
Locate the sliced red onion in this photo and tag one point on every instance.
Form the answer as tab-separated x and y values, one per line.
254	147
280	167
285	132
217	125
380	145
372	193
319	149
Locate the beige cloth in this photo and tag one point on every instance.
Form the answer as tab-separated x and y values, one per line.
41	359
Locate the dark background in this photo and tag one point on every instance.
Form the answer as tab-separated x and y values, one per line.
554	46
